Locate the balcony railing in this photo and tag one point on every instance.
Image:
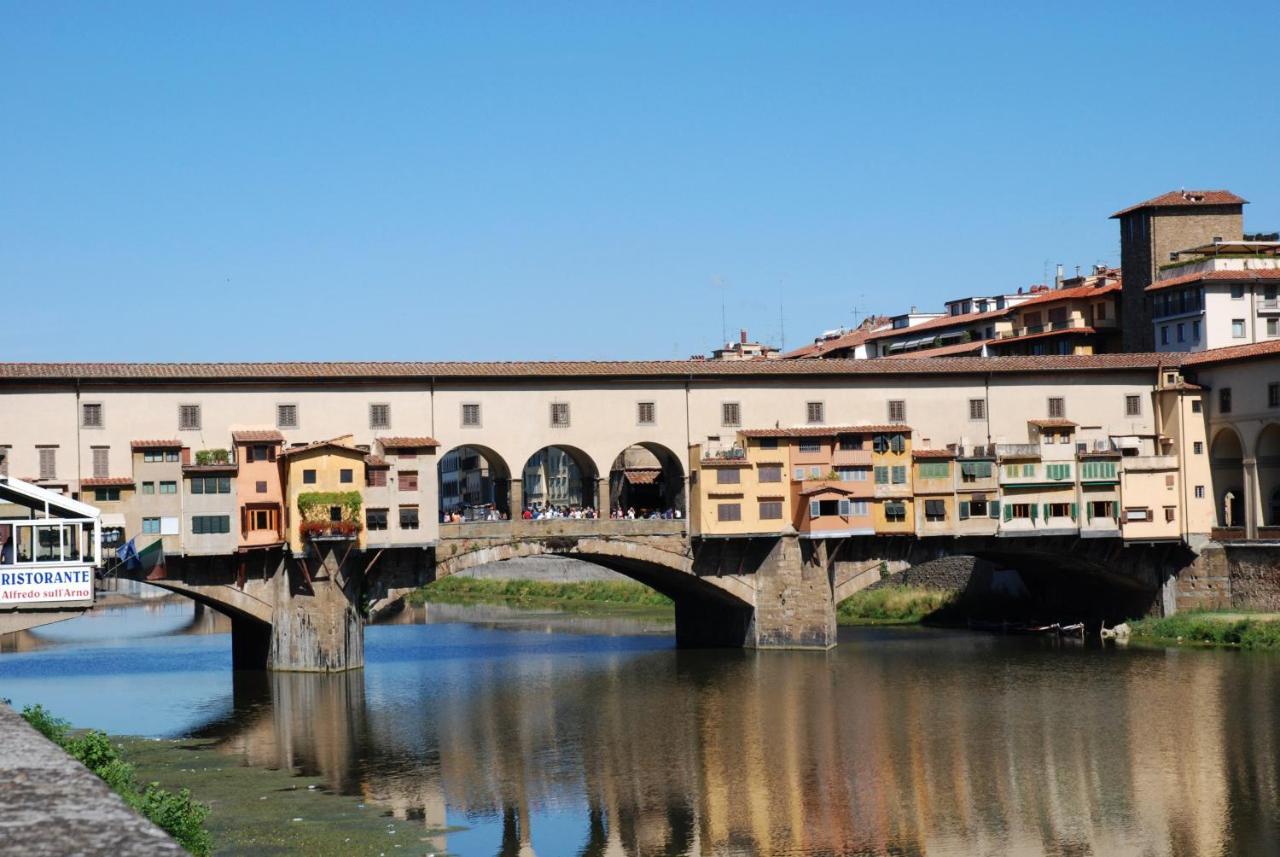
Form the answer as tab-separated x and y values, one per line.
1150	462
1029	330
1017	450
1269	305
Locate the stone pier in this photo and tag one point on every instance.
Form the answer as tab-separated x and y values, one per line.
316	626
795	604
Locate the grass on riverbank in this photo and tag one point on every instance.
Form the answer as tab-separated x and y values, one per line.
536	593
173	812
1235	630
892	605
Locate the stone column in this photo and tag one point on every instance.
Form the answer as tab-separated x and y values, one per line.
602	497
1252	502
316	628
795	606
515	499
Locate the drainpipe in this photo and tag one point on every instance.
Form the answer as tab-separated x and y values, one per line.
1182	468
986	398
76	417
431	396
688	439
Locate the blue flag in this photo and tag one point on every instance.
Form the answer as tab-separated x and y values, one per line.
128	554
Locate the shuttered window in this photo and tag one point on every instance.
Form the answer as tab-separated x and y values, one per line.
977	409
101	463
935	470
210	524
770	473
935	510
730	414
48	462
897	411
407	480
379	416
645	413
471	415
189	417
408	517
815	412
1057	408
559	414
728	476
1132	406
287	416
895	512
91	413
770	510
377	477
899	474
729	512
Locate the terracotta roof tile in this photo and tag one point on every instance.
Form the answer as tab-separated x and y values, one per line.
376	461
932	453
308	447
1183	198
156	444
818	349
107	482
1077	293
1053	422
945	321
1066	331
408	442
829	489
642	475
827	431
1217	276
257	436
1230	353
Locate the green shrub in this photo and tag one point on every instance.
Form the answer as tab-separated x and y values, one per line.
536	592
1210	629
175	814
892	605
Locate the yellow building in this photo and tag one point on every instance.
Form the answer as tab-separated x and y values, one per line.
742	489
893	509
935	491
323	492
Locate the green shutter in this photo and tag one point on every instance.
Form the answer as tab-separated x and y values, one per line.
995	509
1008	513
1034	510
964	510
1074	511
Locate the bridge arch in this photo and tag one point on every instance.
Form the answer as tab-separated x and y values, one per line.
1226	468
559	476
649	478
472	477
1267	454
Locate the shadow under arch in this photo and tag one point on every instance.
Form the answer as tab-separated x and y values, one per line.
1226	469
473	479
1267	454
559	476
647	477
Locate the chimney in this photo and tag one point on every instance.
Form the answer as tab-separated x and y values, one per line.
1057	277
742	335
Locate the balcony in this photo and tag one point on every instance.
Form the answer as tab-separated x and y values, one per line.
1269	306
1149	463
1017	450
851	458
1048	327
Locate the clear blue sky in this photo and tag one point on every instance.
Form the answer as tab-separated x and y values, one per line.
225	181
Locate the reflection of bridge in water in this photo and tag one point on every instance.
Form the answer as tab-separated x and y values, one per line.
908	751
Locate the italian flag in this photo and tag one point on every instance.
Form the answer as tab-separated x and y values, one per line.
152	559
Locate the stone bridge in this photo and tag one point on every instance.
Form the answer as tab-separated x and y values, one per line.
308	612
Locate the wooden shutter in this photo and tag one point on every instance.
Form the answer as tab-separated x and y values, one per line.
815	508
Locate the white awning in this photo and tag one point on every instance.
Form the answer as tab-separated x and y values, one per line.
112	519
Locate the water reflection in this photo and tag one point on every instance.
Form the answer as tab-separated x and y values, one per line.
897	743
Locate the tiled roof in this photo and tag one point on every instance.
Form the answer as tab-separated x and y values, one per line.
828	489
308	447
945	321
156	444
408	442
257	436
1053	422
1230	353
828	431
642	475
1218	276
1076	293
932	453
375	461
106	482
943	351
671	369
1066	331
1181	198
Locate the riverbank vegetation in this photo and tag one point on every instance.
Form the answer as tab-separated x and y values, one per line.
173	812
535	593
892	605
1235	630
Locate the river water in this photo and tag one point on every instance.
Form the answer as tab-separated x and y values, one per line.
563	736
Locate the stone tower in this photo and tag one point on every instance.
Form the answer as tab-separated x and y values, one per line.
1150	231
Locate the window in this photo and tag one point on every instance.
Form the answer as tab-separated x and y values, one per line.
814	413
375	519
260	487
1224	400
1017	511
1133	406
729	512
148	487
1164	334
977	409
882	475
897	411
768	443
895	513
1097	470
935	511
151	525
48	462
91	415
106	495
1272	329
188	417
1181	332
210	484
1237	291
346	475
1196	406
899	474
853	474
101	455
559	414
210	524
1057	408
810	444
1169	514
308	477
728	476
376	477
1137	513
379	416
1273	395
644	413
1199	492
168	487
408	517
935	470
407	480
261	519
972	471
815	472
1195	331
1198	447
1057	472
798	474
770	473
286	416
977	507
857	508
1237	328
1060	510
335	514
730	414
470	415
770	510
1100	509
